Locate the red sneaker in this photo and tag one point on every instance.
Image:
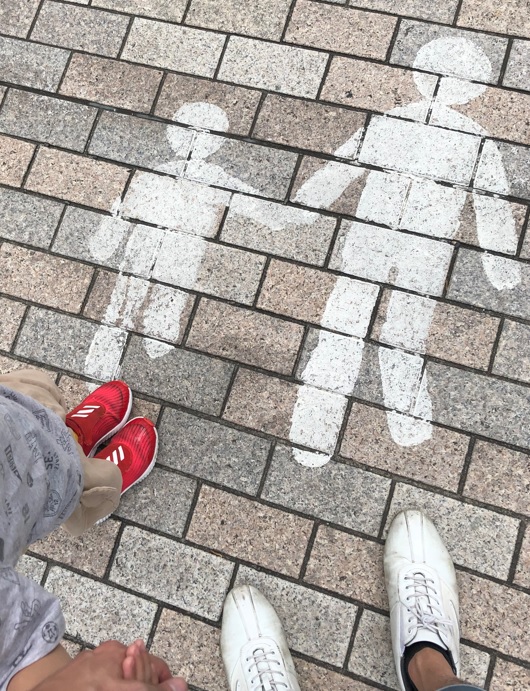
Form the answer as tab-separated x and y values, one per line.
133	450
103	413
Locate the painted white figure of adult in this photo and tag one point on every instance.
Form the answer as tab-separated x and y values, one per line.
401	199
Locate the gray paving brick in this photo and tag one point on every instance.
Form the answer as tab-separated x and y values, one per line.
316	624
274	67
80	28
212	451
241	166
258	18
96	612
278	229
30	64
180	575
162	502
414	35
178	48
513	353
480	404
503	168
470	283
141	142
441	11
16	18
27	218
175	375
66	342
46	119
12	313
517	73
31	567
335	492
487	547
172	10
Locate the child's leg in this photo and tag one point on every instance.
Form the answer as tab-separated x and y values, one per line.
32	675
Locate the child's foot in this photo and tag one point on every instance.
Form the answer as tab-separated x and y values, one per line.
102	413
133	450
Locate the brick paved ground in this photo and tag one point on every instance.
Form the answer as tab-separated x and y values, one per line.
340	270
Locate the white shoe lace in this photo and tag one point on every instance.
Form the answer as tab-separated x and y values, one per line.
426	612
269	671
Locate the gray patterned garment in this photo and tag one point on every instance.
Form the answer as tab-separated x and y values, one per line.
40	486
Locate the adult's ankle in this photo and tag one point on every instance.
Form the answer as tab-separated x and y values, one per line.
430	671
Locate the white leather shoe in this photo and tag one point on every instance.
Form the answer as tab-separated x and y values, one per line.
422	590
253	645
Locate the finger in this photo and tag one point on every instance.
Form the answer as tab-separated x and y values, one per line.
162	670
129	668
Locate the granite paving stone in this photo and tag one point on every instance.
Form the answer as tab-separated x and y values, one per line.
513	352
111	82
31	567
311	295
66	342
154	310
10	364
306	125
140	142
161	502
336	492
413	36
258	18
376	87
499	476
509	677
274	67
489	541
522	573
278	229
212	451
517	73
171	10
175	375
96	612
31	64
437	461
12	313
470	283
372	655
366	34
16	19
248	337
512	17
502	169
197	657
455	334
469	228
73	649
76	178
182	576
15	157
80	28
442	11
274	539
43	278
91	552
340	562
484	605
178	48
183	97
476	403
311	676
315	624
46	119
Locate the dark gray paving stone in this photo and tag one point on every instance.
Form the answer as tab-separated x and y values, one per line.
180	575
29	219
503	168
477	403
46	119
414	35
334	492
513	353
162	502
197	381
30	64
470	284
141	142
212	451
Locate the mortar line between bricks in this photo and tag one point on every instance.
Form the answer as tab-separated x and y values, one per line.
217	236
351	642
34	21
95	124
393	40
386	510
88	294
48	249
288	20
300	352
292	182
233	579
63	75
114	550
457	13
332	244
255	119
491	669
308	551
495	347
4	98
19	330
160	88
450	269
506	60
154	626
229	388
186	12
191	510
516	552
125	37
324	77
261	283
194	309
478	159
466	465
30	166
525	233
266	469
221	58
